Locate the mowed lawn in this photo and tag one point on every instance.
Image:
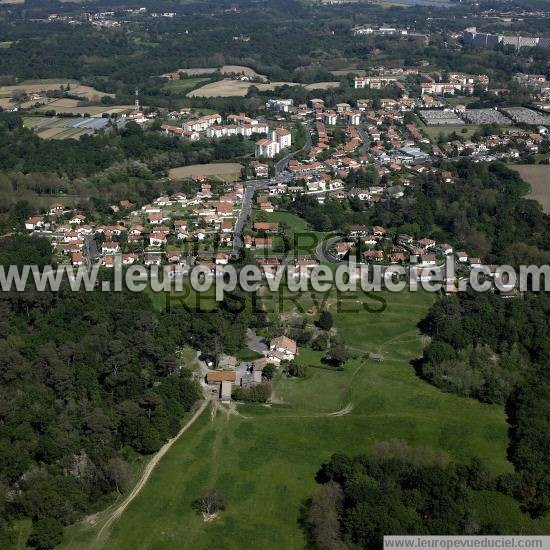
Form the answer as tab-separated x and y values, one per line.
463	130
228	171
264	459
302	238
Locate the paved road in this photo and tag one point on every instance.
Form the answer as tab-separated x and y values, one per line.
255	342
246	208
323	254
281	165
92	253
365	146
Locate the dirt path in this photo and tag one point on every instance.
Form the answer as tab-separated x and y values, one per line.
342	412
119	510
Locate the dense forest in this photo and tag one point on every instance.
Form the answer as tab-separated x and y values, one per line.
88	381
396	489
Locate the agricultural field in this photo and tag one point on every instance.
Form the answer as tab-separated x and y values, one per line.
92	110
32	121
224	88
29	86
321	85
6	103
64	127
264	458
237	88
344	72
538	177
227	171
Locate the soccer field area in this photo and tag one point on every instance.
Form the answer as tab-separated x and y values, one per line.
264	458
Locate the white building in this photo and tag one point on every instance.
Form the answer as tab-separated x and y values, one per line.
267	148
281	105
283	137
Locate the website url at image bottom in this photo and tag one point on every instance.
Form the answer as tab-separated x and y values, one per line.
415	542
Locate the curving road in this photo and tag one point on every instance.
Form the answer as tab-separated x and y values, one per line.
323	253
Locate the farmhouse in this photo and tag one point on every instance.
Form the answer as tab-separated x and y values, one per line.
221	381
266	227
280	349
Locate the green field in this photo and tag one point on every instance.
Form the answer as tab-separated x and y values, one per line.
31	121
264	458
433	132
176	87
302	238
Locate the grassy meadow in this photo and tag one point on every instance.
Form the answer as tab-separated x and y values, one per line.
301	237
538	177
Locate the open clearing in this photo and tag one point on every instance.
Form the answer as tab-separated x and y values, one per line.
51	84
301	238
463	130
239	69
237	88
6	103
230	88
227	169
538	177
264	458
198	71
181	86
344	72
322	85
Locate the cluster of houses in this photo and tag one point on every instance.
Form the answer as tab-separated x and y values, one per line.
376	246
152	234
457	82
229	372
509	144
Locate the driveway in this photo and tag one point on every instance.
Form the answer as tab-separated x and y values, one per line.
255	342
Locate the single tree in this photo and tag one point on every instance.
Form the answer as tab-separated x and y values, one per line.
210	502
325	320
